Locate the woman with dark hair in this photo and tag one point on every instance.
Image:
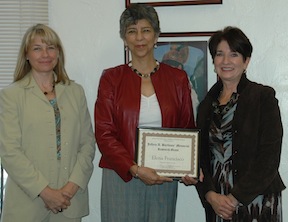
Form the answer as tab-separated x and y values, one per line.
241	138
143	93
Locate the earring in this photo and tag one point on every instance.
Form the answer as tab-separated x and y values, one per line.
155	46
126	48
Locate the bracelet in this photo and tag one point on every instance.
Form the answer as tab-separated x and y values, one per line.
136	174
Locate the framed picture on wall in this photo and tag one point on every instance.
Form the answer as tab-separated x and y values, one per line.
187	51
173	2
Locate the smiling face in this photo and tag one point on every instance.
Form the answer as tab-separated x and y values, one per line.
42	57
140	39
229	65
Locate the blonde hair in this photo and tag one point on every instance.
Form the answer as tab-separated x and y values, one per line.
49	36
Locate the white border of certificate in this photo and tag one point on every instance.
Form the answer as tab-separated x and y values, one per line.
171	152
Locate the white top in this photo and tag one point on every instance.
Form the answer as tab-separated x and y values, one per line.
150	113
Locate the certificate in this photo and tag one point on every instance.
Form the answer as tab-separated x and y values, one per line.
171	152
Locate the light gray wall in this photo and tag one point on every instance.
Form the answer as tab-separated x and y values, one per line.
89	30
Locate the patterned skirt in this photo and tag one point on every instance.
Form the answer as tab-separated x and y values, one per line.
264	208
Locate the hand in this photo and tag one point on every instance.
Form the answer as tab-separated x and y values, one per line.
201	177
148	175
54	199
189	180
192	181
69	190
233	199
221	204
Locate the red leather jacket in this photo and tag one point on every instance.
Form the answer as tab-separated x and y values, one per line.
117	111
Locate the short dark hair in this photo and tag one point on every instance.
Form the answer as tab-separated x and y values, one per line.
236	40
136	12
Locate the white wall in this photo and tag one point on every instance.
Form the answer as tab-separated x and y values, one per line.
89	30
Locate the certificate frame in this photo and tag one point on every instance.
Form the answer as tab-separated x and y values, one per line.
171	152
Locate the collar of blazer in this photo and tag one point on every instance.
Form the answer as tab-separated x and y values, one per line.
29	83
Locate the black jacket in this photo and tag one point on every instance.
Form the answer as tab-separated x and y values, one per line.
257	139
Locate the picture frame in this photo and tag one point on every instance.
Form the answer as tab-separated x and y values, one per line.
174	2
188	51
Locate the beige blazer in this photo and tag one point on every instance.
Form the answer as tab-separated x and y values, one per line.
28	148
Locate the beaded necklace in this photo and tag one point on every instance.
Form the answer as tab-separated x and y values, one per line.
45	93
144	75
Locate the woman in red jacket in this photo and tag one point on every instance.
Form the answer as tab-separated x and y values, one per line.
141	93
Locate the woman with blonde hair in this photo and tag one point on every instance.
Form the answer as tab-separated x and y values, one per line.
46	139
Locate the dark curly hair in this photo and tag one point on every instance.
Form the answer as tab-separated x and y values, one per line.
236	40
